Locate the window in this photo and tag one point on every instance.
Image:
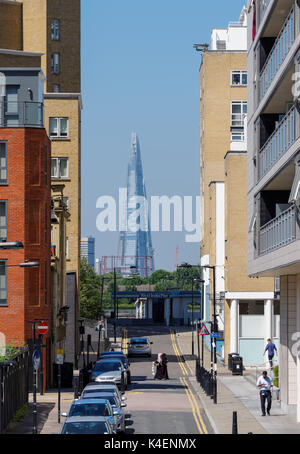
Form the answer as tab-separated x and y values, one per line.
67	248
239	78
55	30
238	113
3	163
3	220
55	63
59	127
221	45
66	201
59	168
3	282
56	88
238	135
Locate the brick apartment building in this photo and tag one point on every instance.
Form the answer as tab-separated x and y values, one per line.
25	202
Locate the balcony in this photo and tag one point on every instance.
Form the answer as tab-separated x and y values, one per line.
278	53
21	114
279	232
279	142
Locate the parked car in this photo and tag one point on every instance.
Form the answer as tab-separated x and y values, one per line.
94	407
122	358
139	346
110	370
86	425
117	406
95	387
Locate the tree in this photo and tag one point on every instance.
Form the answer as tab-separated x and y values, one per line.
90	291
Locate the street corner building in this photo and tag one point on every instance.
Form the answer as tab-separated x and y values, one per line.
40	188
274	172
246	310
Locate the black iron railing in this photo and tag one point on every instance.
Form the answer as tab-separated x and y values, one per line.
205	379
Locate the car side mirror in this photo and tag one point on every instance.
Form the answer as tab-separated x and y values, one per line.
64	415
115	412
123	404
124	398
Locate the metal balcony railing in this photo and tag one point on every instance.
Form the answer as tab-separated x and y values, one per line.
263	5
21	114
278	232
278	143
278	53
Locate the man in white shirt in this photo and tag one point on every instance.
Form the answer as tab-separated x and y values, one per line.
265	384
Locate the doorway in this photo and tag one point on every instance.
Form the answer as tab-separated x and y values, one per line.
158	310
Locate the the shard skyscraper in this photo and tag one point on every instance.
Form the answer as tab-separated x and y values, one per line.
135	246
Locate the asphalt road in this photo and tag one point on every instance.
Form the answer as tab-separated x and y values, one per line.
162	406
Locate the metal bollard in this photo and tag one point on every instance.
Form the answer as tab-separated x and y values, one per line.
234	423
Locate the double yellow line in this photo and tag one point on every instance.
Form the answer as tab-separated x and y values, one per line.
192	399
125	340
178	355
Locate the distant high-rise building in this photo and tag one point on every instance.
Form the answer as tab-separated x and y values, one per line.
135	247
98	266
88	250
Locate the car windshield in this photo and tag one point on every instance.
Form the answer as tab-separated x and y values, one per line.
97	390
139	341
107	366
85	427
111	398
120	357
89	409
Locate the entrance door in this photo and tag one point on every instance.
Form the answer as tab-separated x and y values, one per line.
158	310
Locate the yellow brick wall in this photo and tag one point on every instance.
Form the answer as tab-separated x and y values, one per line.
10	26
69	148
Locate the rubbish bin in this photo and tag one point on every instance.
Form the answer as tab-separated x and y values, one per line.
237	365
230	356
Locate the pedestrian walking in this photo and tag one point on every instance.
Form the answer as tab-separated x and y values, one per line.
265	384
270	348
161	367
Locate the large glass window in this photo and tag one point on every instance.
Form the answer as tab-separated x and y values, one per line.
3	162
3	282
3	220
55	30
59	127
59	168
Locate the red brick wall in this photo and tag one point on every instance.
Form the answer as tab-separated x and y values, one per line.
28	195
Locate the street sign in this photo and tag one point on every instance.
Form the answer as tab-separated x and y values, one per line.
215	335
203	331
43	327
60	356
36	360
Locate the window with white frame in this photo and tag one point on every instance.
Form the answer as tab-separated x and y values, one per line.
55	63
3	163
3	283
239	78
55	30
238	113
59	127
59	167
238	135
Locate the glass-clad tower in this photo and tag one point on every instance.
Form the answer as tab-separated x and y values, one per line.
135	246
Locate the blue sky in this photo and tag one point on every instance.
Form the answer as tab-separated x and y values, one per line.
140	73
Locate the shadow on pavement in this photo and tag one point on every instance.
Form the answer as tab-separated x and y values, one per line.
26	426
156	386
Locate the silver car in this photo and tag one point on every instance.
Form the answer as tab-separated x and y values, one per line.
138	346
95	387
117	406
86	425
110	370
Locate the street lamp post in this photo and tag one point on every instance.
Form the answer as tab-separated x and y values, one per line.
214	326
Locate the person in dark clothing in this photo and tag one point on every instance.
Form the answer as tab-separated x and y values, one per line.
270	348
161	367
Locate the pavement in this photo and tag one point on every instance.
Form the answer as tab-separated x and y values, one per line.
235	393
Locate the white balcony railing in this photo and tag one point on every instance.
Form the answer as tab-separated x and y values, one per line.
278	53
263	5
278	232
278	143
